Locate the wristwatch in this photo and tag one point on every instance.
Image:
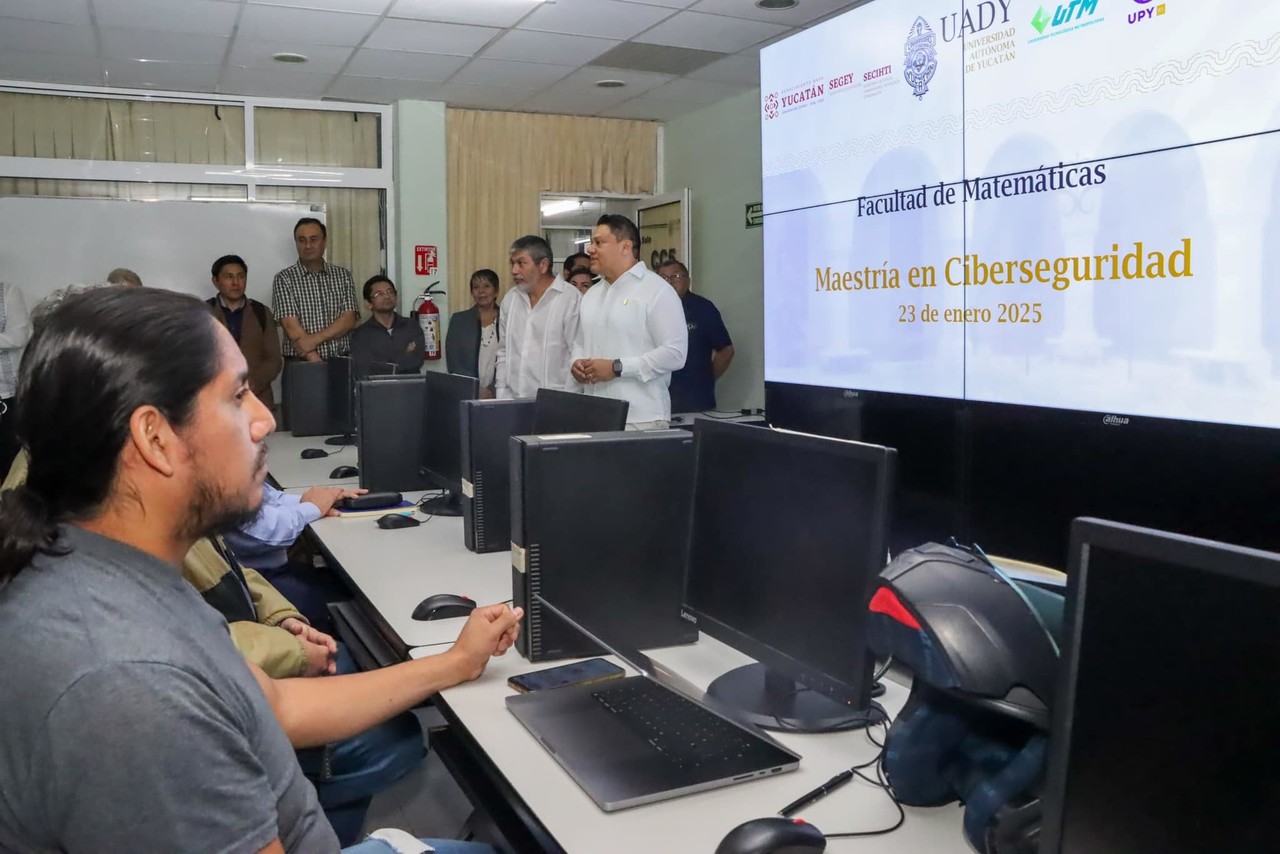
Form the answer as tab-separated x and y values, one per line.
617	367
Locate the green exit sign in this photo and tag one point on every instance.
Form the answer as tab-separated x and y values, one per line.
755	214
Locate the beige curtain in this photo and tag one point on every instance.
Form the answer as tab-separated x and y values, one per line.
156	132
140	131
316	138
499	163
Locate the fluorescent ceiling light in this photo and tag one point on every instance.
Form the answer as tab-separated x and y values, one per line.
560	206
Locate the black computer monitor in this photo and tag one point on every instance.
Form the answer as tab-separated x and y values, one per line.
1166	721
442	438
342	393
789	532
569	412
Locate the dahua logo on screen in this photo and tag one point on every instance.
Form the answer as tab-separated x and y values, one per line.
1115	420
921	55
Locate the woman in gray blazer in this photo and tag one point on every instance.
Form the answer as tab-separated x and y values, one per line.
471	347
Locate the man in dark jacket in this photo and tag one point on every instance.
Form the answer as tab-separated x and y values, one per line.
386	336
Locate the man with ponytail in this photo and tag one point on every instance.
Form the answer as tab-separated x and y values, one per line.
131	722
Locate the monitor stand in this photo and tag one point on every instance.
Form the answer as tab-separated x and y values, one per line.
449	504
343	440
771	700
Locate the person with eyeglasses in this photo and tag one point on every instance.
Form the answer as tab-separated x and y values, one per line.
387	336
693	387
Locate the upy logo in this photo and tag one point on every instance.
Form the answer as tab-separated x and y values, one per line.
771	106
1148	11
1064	14
921	53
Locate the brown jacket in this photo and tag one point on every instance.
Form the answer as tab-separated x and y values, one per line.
261	347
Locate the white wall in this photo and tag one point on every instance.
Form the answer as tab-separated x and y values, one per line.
715	152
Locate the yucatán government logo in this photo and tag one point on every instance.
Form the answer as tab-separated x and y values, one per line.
921	53
771	106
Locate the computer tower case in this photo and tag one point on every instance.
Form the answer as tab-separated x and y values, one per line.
306	398
601	520
487	428
389	433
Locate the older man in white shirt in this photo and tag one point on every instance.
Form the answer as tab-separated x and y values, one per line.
632	335
537	324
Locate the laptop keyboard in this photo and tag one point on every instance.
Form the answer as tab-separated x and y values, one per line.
687	735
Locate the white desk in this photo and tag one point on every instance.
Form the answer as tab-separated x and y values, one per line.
396	569
695	823
679	419
289	470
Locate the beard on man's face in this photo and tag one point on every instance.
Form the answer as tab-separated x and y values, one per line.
212	511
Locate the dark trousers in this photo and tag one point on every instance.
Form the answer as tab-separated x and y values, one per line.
310	589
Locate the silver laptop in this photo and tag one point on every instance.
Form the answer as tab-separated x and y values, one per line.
645	738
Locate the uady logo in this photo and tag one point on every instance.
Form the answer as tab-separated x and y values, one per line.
1065	13
771	106
1149	10
921	53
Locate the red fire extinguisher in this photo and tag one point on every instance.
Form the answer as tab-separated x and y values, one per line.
429	319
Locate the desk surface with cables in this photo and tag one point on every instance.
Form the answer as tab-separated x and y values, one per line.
696	823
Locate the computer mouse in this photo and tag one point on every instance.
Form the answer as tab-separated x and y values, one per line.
773	835
313	453
392	521
343	472
442	606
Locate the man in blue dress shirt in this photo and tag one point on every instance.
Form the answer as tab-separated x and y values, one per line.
693	387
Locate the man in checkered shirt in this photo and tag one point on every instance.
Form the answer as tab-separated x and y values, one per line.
314	301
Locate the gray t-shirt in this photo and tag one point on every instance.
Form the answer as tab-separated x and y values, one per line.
130	722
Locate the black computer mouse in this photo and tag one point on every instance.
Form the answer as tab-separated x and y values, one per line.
391	521
313	453
343	472
773	835
442	606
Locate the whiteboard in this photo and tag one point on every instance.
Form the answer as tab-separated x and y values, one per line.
48	243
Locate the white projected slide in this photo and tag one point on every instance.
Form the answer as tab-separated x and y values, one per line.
1066	204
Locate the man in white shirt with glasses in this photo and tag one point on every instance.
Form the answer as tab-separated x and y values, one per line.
537	324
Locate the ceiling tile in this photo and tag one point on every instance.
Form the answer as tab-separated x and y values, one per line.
604	18
651	109
518	75
488	13
321	58
670	4
426	37
273	83
379	90
50	67
483	97
584	79
53	11
310	26
529	46
404	65
162	47
802	13
207	17
710	32
731	69
44	37
695	91
364	7
172	76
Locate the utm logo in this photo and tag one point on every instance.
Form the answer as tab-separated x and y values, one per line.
771	106
1148	10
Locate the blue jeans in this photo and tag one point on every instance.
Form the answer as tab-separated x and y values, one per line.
349	773
442	846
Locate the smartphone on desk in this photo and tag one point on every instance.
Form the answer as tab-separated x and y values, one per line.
591	670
